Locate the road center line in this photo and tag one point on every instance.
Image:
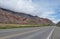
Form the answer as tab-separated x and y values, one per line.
19	34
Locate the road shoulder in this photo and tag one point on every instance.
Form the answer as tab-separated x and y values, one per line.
56	34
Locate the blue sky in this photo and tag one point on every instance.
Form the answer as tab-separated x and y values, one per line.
43	8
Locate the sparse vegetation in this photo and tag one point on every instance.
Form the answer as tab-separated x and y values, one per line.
9	26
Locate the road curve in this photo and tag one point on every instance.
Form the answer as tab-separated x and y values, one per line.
27	33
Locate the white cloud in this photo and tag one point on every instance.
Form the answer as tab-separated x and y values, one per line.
26	6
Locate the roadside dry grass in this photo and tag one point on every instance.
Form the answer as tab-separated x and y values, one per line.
9	26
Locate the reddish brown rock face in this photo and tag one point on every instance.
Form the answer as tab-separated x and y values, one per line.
7	16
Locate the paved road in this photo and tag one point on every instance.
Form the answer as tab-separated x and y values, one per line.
27	33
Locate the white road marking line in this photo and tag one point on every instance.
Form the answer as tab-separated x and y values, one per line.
51	33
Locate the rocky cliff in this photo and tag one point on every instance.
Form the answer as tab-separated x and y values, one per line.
11	17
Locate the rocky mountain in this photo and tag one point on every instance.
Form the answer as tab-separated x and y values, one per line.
11	17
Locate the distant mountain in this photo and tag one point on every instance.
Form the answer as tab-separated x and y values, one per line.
11	17
58	24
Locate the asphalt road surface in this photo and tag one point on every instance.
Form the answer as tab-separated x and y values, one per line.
56	33
27	33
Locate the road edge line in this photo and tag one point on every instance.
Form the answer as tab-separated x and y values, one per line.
51	33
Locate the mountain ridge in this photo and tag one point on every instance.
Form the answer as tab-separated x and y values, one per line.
11	17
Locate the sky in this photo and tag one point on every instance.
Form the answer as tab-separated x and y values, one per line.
43	8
